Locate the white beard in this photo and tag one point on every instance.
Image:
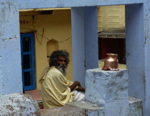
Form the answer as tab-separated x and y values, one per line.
62	69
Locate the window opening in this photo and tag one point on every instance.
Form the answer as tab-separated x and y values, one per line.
28	64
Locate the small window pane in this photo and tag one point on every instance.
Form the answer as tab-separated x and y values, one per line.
26	44
26	61
27	78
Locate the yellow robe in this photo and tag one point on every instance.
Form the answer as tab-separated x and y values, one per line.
55	88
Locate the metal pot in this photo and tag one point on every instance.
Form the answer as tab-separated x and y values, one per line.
111	61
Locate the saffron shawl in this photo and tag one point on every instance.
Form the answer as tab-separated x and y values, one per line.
55	88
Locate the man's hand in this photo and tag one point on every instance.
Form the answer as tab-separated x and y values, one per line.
80	89
77	83
77	86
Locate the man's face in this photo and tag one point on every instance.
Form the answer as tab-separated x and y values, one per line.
61	60
62	66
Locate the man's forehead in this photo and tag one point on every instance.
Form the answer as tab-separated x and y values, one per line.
61	57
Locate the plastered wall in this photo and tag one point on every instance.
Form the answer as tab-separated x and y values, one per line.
10	60
10	55
111	18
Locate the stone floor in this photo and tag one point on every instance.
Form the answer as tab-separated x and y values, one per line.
36	95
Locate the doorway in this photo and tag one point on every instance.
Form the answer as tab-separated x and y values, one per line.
28	61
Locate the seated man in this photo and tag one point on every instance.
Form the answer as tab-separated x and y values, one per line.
56	89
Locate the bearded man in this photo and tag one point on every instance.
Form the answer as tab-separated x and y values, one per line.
56	89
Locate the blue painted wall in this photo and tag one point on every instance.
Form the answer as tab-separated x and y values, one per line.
137	44
146	36
78	45
84	41
23	4
10	55
135	50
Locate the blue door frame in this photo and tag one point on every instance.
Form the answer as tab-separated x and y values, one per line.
28	64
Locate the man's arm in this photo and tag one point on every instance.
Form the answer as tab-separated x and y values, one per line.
77	86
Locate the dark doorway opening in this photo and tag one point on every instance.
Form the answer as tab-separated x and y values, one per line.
112	45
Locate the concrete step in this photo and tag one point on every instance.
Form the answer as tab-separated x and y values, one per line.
67	110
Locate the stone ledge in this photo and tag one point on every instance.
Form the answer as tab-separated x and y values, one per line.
106	86
81	108
67	110
86	105
20	104
91	109
84	108
135	107
17	104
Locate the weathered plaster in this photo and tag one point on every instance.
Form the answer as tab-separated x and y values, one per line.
109	89
25	4
135	107
18	105
104	87
10	65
